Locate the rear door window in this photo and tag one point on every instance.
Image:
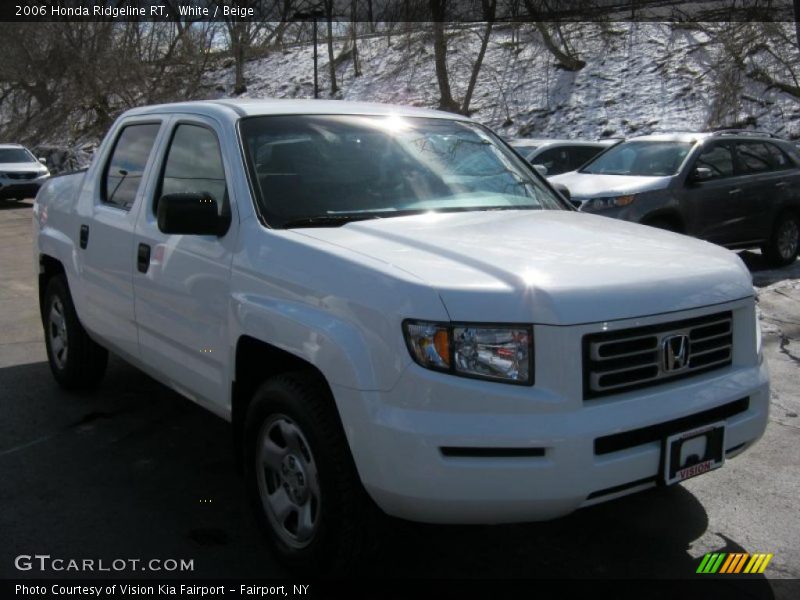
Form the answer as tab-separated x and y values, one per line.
755	157
123	173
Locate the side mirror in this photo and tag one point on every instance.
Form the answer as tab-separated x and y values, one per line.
43	160
702	174
192	214
541	169
563	190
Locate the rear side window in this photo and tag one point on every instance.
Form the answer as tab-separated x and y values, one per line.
123	172
779	159
718	159
555	160
564	158
193	165
580	155
756	157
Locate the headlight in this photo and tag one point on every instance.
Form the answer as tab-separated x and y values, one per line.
612	202
496	352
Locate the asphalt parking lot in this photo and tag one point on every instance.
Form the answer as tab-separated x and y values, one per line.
135	471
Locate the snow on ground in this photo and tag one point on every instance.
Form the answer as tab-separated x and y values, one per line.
639	77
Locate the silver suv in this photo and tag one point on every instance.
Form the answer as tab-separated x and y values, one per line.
737	188
21	173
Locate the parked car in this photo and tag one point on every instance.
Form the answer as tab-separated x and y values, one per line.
740	189
553	157
21	174
396	314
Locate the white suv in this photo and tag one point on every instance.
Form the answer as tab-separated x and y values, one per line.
395	310
21	173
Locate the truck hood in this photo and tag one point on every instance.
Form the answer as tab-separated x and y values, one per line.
547	267
587	185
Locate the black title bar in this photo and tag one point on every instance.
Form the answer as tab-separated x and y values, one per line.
389	11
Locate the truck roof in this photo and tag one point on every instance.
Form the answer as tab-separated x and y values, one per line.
235	109
11	146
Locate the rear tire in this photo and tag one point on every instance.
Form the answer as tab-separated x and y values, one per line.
76	360
783	245
301	479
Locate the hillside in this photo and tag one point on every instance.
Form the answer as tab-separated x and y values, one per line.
638	77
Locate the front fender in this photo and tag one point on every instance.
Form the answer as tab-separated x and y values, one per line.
337	348
334	308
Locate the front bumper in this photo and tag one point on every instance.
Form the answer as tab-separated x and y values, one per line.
26	188
402	440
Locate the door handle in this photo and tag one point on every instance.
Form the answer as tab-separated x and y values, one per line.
143	258
735	191
84	237
781	184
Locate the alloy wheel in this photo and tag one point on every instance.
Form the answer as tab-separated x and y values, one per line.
788	239
57	330
288	482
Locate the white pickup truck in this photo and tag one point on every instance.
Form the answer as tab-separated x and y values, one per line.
395	311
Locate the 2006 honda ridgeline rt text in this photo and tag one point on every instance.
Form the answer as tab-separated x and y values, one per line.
395	311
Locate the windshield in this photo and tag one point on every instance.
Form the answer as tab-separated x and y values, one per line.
640	158
15	155
329	169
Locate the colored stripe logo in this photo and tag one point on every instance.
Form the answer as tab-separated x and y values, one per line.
732	563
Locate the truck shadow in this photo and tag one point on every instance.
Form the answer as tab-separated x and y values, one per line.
135	470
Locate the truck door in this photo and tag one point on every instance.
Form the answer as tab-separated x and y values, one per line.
181	282
107	213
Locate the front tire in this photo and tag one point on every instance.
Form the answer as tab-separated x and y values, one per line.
77	361
783	245
301	479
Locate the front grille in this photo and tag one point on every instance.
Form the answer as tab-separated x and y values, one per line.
618	361
21	175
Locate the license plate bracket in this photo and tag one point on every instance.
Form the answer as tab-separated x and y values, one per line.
694	452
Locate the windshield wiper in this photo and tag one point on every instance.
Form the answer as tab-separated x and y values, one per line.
328	220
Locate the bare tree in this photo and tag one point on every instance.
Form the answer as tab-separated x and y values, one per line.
370	16
565	55
242	35
70	80
438	10
797	21
354	37
331	60
489	11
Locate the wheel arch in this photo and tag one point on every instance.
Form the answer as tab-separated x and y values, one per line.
255	362
668	215
49	267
